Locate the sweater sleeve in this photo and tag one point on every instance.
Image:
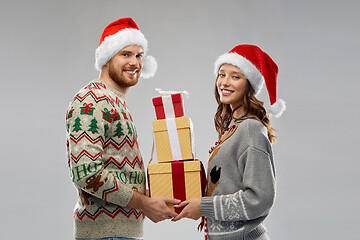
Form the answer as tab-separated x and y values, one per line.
256	196
85	144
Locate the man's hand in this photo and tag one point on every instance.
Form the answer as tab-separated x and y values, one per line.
154	208
191	210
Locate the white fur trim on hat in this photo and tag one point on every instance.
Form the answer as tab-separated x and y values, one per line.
114	43
254	76
277	108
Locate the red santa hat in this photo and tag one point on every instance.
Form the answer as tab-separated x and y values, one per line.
258	67
116	36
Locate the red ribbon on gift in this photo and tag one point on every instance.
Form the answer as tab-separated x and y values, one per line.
178	179
116	115
87	109
107	115
88	105
177	105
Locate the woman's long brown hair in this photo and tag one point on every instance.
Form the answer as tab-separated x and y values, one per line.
253	108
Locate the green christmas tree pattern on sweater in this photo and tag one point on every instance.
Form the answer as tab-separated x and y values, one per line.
109	116
93	126
103	157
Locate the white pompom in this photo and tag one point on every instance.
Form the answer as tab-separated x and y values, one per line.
149	67
277	108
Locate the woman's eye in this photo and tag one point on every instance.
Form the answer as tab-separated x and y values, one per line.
236	77
221	75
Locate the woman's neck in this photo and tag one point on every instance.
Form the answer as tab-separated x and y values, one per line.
239	111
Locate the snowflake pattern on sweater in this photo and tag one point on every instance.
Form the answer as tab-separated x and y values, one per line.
241	187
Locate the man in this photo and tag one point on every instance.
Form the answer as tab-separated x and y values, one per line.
103	153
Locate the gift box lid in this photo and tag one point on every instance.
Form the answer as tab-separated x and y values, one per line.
181	122
175	98
165	168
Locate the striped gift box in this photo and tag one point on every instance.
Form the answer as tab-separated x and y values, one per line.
179	179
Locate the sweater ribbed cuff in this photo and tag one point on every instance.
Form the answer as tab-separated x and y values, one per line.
207	207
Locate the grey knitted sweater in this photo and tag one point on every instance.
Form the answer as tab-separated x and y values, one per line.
241	183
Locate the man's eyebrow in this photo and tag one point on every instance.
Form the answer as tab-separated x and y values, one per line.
125	51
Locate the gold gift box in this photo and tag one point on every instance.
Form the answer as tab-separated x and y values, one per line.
162	140
190	184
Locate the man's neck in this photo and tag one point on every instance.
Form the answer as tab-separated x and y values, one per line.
104	77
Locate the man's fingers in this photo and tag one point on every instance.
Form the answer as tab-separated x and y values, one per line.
178	217
182	204
172	214
172	201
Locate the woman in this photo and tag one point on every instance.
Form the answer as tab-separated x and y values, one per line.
241	173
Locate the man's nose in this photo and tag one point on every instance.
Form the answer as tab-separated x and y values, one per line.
134	61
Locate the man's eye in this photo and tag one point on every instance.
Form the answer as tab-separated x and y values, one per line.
139	56
221	75
236	77
124	54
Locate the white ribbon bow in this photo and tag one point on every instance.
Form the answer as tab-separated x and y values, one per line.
165	93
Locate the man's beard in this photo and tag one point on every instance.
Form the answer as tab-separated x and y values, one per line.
117	76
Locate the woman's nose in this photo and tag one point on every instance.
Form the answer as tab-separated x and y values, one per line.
224	81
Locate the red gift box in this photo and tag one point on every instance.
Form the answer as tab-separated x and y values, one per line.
116	115
107	115
177	106
87	109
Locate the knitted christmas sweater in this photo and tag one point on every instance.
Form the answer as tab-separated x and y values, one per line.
105	163
241	187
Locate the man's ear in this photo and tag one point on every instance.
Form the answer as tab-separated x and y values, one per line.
105	66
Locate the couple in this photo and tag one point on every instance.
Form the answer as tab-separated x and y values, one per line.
107	168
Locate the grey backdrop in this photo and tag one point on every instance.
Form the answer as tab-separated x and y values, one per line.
47	54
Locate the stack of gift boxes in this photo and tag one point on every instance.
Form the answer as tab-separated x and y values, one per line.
176	174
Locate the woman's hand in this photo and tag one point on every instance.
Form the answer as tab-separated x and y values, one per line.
155	208
192	209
